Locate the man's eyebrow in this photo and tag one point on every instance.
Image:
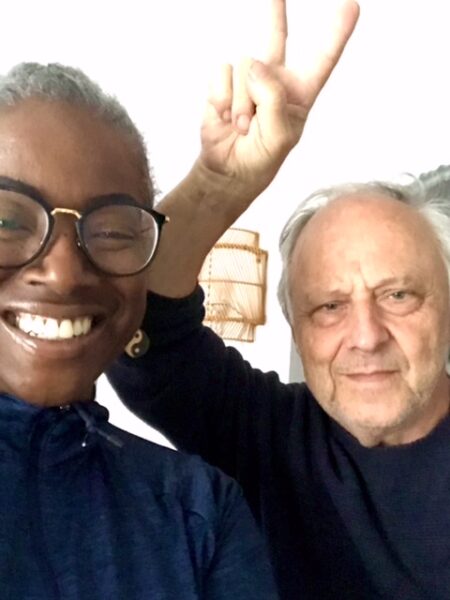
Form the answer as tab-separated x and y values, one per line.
322	295
394	281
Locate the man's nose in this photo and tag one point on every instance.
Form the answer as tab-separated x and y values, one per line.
63	266
366	329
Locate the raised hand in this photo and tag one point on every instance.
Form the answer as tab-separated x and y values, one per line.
257	111
255	115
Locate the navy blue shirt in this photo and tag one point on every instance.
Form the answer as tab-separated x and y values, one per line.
342	521
89	512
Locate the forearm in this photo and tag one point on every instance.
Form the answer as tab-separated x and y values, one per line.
189	385
200	208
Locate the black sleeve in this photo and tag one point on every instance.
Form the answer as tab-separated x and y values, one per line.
201	394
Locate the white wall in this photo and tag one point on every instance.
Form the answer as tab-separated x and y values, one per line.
385	109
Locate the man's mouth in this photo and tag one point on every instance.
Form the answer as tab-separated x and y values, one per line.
48	328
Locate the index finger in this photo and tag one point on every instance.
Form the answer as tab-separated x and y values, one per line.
276	53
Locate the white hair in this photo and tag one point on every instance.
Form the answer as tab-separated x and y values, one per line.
425	194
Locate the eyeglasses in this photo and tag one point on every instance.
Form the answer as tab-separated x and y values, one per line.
118	236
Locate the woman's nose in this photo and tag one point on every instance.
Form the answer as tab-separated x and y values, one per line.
63	265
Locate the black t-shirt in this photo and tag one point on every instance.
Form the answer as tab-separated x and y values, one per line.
342	521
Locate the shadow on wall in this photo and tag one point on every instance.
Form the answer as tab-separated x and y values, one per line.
295	365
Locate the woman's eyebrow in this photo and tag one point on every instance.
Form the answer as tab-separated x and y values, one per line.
22	187
17	185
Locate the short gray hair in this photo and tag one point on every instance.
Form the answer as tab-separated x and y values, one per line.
423	193
56	82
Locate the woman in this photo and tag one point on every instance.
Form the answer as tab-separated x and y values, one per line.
89	511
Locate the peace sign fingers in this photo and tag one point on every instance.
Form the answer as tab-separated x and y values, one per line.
276	52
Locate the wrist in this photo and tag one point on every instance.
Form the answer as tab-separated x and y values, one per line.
219	193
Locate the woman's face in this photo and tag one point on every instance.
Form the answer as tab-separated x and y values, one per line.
70	157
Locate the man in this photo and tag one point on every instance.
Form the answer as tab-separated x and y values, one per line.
87	510
347	475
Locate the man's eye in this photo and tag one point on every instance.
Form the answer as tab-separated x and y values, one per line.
400	295
329	307
401	302
329	313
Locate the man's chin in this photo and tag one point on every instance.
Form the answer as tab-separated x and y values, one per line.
370	418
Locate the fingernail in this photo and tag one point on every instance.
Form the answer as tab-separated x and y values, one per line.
256	70
243	123
226	116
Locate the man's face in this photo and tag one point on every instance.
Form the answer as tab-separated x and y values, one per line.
371	318
70	157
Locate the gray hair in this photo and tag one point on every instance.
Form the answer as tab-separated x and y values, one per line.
437	182
55	82
424	193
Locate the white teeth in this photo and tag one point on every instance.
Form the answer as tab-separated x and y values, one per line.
25	322
52	329
66	329
87	324
78	328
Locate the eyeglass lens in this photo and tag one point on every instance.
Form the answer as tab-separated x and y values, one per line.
118	239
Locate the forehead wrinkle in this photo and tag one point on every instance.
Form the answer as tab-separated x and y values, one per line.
379	233
356	283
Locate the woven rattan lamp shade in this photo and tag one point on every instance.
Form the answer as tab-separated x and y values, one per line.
233	277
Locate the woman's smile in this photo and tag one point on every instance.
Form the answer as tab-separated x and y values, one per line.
48	328
57	337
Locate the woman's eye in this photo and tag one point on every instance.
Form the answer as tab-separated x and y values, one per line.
10	224
114	235
13	227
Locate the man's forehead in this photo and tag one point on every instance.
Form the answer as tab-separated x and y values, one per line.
343	222
358	206
377	237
